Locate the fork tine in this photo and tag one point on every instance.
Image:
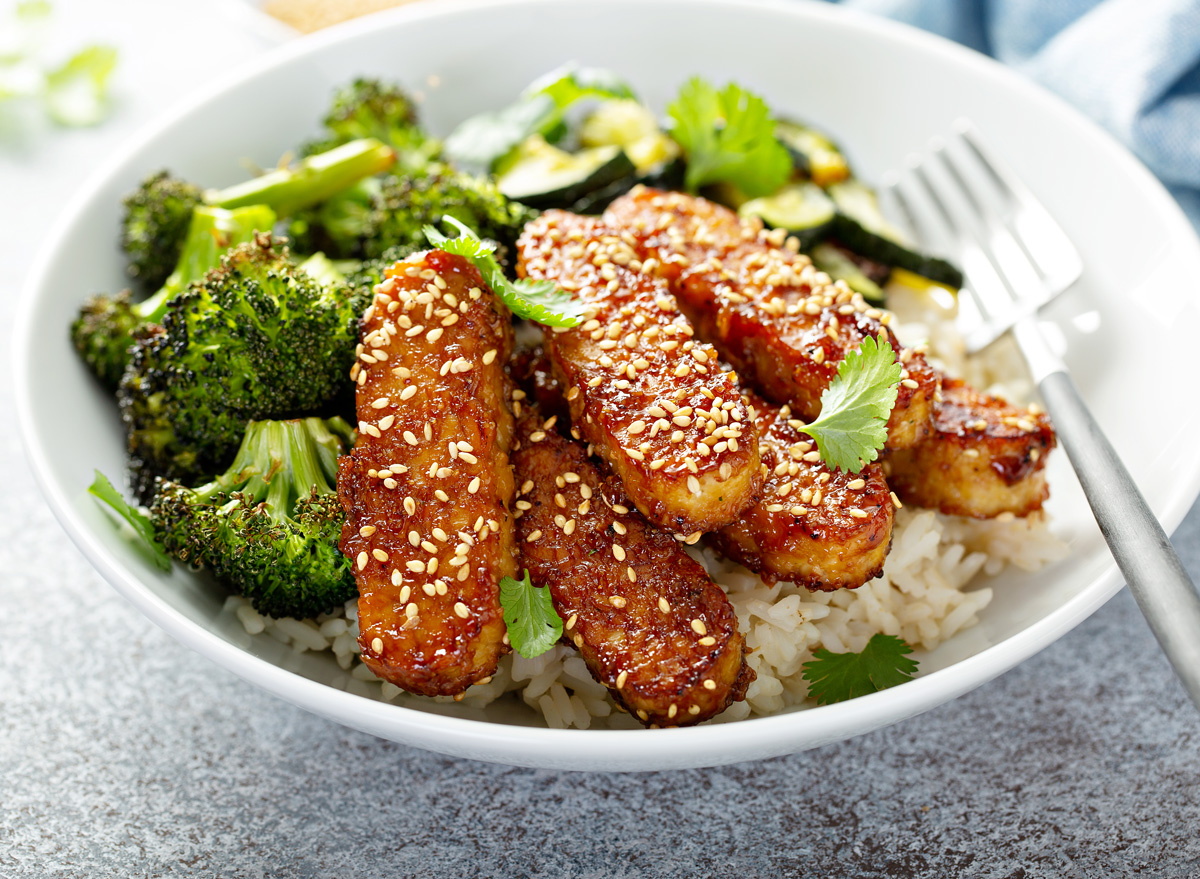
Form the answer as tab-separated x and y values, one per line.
1037	232
1021	273
986	281
926	227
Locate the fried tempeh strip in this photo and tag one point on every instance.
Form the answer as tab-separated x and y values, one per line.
823	529
641	390
649	622
781	323
428	486
985	457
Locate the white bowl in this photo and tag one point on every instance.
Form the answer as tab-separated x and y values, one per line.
882	89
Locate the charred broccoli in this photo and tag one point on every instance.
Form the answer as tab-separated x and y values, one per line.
384	111
269	525
255	339
158	212
374	215
157	215
104	331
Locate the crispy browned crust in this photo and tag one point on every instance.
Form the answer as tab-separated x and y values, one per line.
819	528
428	525
985	457
647	619
641	390
781	323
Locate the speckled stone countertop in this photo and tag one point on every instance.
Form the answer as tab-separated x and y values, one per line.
122	753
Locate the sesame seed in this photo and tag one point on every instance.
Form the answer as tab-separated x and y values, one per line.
362	560
377	645
533	536
856	484
410	438
411	611
417	567
693	485
489	356
366	530
699	628
460	609
617	601
708	641
410	506
663	605
909	383
474	485
620	528
621	678
710	684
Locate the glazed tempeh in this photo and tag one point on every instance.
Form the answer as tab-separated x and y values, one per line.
428	486
641	390
985	457
649	622
781	323
819	528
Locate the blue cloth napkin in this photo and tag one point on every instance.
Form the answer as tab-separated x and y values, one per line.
1131	65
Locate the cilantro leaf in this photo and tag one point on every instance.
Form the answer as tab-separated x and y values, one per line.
852	427
836	677
103	490
77	92
480	142
533	624
541	301
728	135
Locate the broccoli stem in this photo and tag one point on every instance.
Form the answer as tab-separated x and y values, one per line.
313	180
280	462
212	232
323	269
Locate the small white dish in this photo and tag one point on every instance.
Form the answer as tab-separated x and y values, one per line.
882	89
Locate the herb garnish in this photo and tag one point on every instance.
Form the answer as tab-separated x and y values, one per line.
729	136
852	427
836	677
103	490
533	624
541	301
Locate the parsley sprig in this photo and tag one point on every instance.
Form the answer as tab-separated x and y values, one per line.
533	624
541	301
836	677
852	427
728	135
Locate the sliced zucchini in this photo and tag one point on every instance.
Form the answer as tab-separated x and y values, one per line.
543	176
812	152
802	208
835	263
631	126
861	227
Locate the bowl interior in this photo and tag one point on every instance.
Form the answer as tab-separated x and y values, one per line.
882	90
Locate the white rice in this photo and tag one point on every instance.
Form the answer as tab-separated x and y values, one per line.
922	596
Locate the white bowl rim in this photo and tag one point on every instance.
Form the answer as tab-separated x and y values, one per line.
536	746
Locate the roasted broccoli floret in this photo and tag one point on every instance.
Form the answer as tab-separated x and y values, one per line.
384	111
158	212
104	331
269	525
255	339
380	213
157	215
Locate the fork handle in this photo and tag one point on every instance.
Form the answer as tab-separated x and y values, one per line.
1142	551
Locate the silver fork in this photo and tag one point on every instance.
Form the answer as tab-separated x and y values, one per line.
961	199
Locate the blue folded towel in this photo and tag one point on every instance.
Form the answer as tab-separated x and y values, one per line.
1131	65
